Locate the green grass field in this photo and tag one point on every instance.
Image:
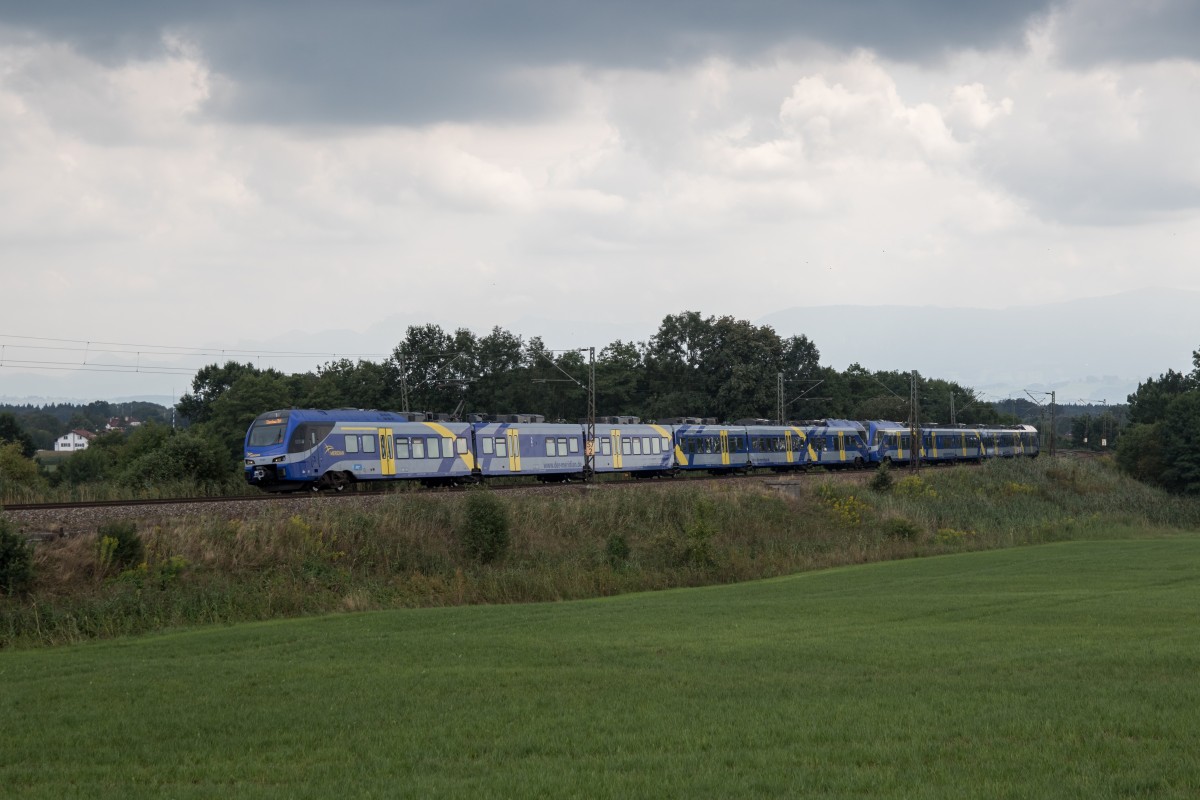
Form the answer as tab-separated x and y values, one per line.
1063	670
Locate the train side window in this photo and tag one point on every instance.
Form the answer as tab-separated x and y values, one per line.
460	446
447	447
368	444
666	444
502	447
418	447
401	447
656	446
351	443
550	451
562	447
626	448
637	446
573	445
605	446
488	447
433	448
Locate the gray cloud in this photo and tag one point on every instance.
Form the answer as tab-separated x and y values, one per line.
421	62
1092	32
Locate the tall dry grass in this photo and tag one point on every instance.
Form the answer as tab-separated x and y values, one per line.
405	550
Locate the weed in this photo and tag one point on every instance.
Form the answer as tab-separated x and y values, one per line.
119	546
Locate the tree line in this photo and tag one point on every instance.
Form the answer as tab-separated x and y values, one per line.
1162	444
714	367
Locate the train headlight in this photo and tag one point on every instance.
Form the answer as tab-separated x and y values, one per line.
249	462
278	459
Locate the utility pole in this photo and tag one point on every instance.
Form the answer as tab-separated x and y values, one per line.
589	451
779	398
403	382
914	424
1052	413
953	420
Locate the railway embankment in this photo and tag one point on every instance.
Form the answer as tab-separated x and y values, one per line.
104	573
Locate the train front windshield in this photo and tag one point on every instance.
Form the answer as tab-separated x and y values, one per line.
267	432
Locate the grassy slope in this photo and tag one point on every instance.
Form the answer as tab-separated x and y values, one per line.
1061	670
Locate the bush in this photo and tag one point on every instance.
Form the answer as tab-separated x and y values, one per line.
16	560
882	480
484	530
118	544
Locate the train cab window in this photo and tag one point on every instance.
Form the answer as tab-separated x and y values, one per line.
502	447
401	447
368	444
488	446
460	446
573	445
433	448
351	444
308	436
605	446
418	448
550	449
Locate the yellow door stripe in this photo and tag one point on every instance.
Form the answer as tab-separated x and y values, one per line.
467	459
514	450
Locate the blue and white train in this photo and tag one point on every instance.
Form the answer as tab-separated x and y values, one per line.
290	450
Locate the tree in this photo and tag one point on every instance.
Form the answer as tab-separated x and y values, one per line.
12	432
1180	432
210	384
17	471
230	414
1149	403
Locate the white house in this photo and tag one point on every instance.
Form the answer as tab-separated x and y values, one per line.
75	440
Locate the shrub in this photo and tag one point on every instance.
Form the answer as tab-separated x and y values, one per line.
16	560
882	480
119	545
484	529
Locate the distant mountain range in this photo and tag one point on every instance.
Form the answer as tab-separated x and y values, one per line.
1087	350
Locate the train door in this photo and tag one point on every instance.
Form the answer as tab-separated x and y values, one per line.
618	460
724	448
387	452
787	446
841	442
514	450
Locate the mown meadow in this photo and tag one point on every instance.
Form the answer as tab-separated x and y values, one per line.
1062	670
417	549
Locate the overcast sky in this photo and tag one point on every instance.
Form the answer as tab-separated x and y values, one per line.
221	174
